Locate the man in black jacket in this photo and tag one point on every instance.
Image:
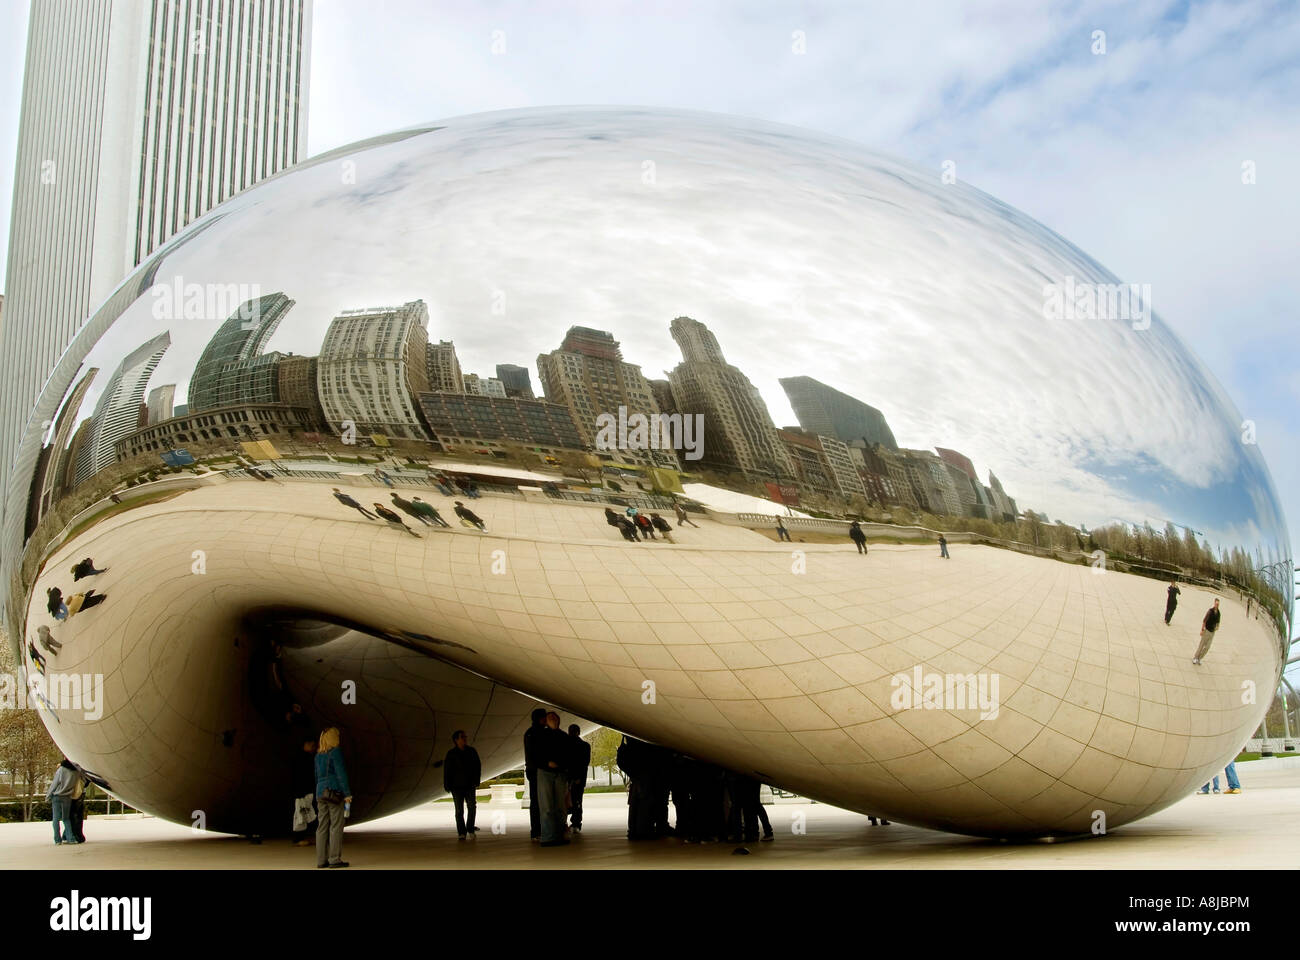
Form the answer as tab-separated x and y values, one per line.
1171	603
553	753
579	762
1208	626
461	772
530	771
469	516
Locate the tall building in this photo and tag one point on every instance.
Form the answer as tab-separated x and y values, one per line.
444	368
117	413
372	366
162	401
824	410
298	387
484	386
1003	504
137	117
935	490
738	430
233	369
589	376
517	381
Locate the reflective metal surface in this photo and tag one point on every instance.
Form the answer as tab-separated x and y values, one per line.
952	366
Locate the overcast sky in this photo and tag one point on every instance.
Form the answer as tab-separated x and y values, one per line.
1134	154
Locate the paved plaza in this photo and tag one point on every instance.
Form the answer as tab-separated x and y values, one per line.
1256	829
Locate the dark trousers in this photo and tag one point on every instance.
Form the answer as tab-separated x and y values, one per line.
862	545
640	810
763	821
366	513
575	801
744	812
783	533
79	818
534	810
1169	611
462	799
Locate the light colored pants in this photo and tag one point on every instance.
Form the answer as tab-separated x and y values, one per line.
551	785
1207	638
329	832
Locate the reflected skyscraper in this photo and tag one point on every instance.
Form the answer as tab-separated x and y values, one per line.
589	375
372	366
117	413
444	368
738	430
233	368
832	413
516	379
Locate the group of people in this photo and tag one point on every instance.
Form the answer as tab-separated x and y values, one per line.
1209	623
62	608
417	508
555	765
67	797
635	525
711	804
467	488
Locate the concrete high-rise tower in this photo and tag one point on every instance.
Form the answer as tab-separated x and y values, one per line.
138	116
118	411
738	430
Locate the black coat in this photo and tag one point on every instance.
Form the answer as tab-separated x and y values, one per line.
552	745
857	533
579	758
461	769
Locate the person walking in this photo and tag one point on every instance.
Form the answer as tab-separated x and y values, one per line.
303	783
333	798
858	536
553	752
62	787
83	601
644	526
1234	785
627	528
531	736
54	603
393	519
579	763
385	478
86	568
461	773
430	511
47	640
1208	626
443	486
1171	602
408	508
469	517
347	501
782	534
943	547
663	526
682	516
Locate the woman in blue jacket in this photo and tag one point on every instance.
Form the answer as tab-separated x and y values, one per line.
332	793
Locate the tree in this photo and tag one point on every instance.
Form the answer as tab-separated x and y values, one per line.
604	748
27	753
